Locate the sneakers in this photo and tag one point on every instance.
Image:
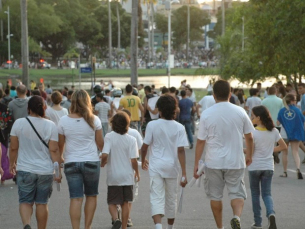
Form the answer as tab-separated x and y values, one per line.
116	224
255	227
235	224
27	227
129	223
299	174
272	224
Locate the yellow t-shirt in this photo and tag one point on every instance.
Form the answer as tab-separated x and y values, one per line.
131	103
141	93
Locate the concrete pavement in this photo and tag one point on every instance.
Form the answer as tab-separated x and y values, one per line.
288	194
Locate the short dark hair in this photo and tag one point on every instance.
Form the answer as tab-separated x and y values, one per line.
235	90
172	90
164	90
7	91
99	95
254	91
272	90
36	105
120	123
153	86
36	92
13	88
221	90
167	105
107	91
147	88
183	93
70	92
128	88
56	97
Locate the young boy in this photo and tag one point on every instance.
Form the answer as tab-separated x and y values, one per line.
120	152
167	139
103	111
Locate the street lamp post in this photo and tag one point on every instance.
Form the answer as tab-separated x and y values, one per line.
8	36
168	7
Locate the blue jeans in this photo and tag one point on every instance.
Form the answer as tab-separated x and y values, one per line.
188	129
263	178
83	178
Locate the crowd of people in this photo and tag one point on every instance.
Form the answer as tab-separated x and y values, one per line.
121	129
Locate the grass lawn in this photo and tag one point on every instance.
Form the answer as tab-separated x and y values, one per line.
45	73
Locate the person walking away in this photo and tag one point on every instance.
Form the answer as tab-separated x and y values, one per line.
292	120
19	106
80	134
67	103
103	111
186	106
167	139
32	159
224	159
261	169
206	102
122	168
301	90
147	116
274	104
42	92
235	96
6	122
133	104
252	101
55	112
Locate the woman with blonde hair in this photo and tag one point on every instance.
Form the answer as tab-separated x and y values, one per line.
80	133
293	122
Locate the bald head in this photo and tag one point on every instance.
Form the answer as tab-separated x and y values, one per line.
21	90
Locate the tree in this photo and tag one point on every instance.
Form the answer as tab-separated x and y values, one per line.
198	19
162	25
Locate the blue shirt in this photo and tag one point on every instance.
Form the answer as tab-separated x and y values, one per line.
293	122
185	106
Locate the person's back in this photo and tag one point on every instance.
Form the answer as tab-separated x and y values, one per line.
19	106
103	109
131	103
273	104
185	106
224	125
252	102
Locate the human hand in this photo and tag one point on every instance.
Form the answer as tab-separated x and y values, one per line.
58	179
248	160
137	177
1	171
195	171
183	182
145	165
103	163
13	169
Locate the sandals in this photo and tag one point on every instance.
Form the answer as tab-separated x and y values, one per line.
285	174
299	174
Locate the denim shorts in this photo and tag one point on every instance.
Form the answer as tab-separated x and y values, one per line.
34	188
83	178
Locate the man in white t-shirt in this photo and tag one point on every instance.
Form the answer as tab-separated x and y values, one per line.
206	102
103	111
167	139
224	159
253	101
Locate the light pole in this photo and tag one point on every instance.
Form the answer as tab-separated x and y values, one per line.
168	7
8	36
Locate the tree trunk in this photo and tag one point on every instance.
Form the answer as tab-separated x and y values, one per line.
134	43
24	43
152	31
148	30
110	36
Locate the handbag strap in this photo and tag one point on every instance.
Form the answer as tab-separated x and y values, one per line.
37	133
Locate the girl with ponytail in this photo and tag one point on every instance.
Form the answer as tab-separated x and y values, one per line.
292	121
261	169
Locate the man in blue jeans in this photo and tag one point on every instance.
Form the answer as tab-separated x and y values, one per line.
186	106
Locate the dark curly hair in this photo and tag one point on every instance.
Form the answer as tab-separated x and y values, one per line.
263	113
120	122
167	105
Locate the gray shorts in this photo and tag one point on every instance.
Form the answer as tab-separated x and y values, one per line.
216	179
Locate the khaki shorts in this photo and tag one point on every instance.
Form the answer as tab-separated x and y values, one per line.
216	179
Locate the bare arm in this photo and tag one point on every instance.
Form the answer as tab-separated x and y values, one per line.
155	111
55	156
104	159
282	146
198	109
249	148
14	146
278	123
134	164
143	156
181	157
99	140
61	145
198	153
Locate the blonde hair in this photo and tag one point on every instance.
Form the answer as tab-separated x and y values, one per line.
288	99
81	105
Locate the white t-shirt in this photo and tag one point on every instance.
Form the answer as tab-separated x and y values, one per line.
222	126
206	102
134	133
80	143
165	136
102	108
121	149
33	155
55	115
264	142
253	102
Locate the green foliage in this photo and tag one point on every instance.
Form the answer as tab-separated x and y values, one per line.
198	19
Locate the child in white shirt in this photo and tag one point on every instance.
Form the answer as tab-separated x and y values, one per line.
120	153
167	139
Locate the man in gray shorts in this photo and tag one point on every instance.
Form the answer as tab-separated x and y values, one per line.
221	131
